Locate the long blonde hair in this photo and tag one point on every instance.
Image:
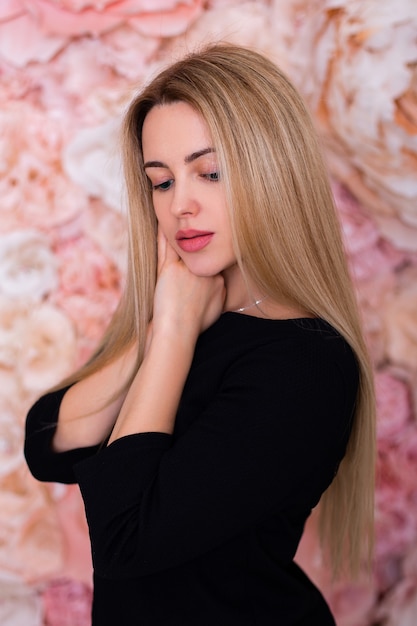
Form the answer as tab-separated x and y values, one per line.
286	233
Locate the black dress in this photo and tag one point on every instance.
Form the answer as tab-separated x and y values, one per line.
200	528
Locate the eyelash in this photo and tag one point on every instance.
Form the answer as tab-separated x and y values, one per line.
161	186
212	177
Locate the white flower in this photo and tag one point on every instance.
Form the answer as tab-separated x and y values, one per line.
11	443
48	348
92	161
356	64
27	266
19	605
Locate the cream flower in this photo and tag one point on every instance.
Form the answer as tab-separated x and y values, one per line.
247	24
20	605
30	540
73	525
11	442
40	545
356	63
92	161
37	348
48	348
28	268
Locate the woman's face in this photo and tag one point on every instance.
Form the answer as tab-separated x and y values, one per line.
187	190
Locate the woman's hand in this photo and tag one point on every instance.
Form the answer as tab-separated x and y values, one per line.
184	306
184	302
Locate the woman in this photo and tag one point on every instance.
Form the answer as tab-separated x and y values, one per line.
233	379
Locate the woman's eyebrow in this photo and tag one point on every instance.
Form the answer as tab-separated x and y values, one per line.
196	155
188	159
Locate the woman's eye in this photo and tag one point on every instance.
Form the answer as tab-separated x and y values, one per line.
162	186
214	176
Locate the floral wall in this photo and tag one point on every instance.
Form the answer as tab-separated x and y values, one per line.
67	70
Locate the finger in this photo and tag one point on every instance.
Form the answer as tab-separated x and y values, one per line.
170	253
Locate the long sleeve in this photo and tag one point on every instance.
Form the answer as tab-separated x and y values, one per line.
45	464
262	437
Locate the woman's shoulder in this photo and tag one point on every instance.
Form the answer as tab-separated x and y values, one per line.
309	346
247	329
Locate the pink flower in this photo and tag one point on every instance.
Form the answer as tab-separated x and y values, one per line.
34	189
35	30
405	465
400	321
370	256
108	230
90	315
373	263
22	38
89	291
353	604
227	20
84	269
393	406
67	603
396	527
399	607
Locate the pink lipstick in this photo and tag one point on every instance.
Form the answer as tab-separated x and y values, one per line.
193	240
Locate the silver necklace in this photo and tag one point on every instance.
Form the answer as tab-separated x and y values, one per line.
250	306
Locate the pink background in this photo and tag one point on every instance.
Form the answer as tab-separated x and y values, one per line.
68	69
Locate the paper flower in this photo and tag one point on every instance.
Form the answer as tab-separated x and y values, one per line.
11	442
31	546
28	268
20	605
92	161
35	191
400	321
48	348
356	64
35	30
393	406
67	603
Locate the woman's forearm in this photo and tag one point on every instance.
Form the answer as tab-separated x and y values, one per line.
152	401
90	408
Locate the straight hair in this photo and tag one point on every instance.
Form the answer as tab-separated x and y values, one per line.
286	235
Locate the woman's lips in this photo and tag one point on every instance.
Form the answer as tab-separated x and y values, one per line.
193	240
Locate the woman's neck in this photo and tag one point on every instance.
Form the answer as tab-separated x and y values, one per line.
244	297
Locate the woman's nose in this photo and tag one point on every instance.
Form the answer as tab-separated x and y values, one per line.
184	201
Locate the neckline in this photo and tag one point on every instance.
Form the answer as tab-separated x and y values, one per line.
271	319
